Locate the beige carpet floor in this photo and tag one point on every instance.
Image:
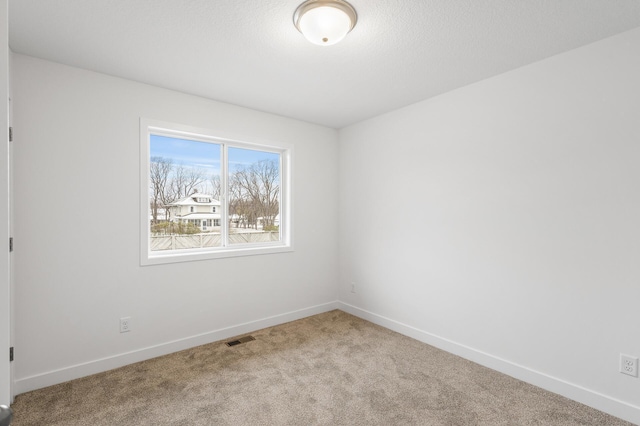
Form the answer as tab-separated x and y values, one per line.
329	369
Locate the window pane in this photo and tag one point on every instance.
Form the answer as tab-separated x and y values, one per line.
184	191
254	196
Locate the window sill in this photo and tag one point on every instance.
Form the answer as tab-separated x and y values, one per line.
178	256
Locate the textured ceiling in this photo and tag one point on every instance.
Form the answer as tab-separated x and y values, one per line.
248	53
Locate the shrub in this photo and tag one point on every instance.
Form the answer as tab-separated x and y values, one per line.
171	228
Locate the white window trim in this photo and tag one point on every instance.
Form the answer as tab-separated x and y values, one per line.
147	257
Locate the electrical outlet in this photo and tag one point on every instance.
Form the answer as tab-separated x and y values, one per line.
629	365
125	324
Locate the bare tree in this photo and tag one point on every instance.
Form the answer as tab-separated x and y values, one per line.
214	186
255	191
238	203
169	183
268	172
185	181
160	172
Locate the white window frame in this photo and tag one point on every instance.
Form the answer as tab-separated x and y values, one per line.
148	257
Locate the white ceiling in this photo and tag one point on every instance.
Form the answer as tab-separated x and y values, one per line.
248	53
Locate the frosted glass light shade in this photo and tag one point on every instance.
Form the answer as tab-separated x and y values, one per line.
325	22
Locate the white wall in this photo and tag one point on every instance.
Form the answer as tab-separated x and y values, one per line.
514	236
77	229
5	295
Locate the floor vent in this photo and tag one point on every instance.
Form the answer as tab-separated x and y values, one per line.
244	339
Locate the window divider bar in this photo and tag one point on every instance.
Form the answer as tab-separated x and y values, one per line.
224	194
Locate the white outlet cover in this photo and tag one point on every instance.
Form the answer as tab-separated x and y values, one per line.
629	365
125	324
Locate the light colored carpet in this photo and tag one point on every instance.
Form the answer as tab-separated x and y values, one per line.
329	369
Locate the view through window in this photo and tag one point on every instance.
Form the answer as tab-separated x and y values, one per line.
208	195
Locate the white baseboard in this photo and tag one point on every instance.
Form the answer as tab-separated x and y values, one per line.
72	372
621	409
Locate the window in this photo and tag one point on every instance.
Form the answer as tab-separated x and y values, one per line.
243	184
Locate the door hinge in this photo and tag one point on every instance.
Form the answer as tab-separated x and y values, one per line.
10	134
10	244
11	354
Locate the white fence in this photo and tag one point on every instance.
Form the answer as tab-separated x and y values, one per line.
176	242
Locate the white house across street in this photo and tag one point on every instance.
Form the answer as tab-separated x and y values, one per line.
201	210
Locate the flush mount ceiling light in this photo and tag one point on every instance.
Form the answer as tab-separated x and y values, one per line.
325	22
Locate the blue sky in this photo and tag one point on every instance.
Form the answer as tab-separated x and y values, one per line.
203	155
